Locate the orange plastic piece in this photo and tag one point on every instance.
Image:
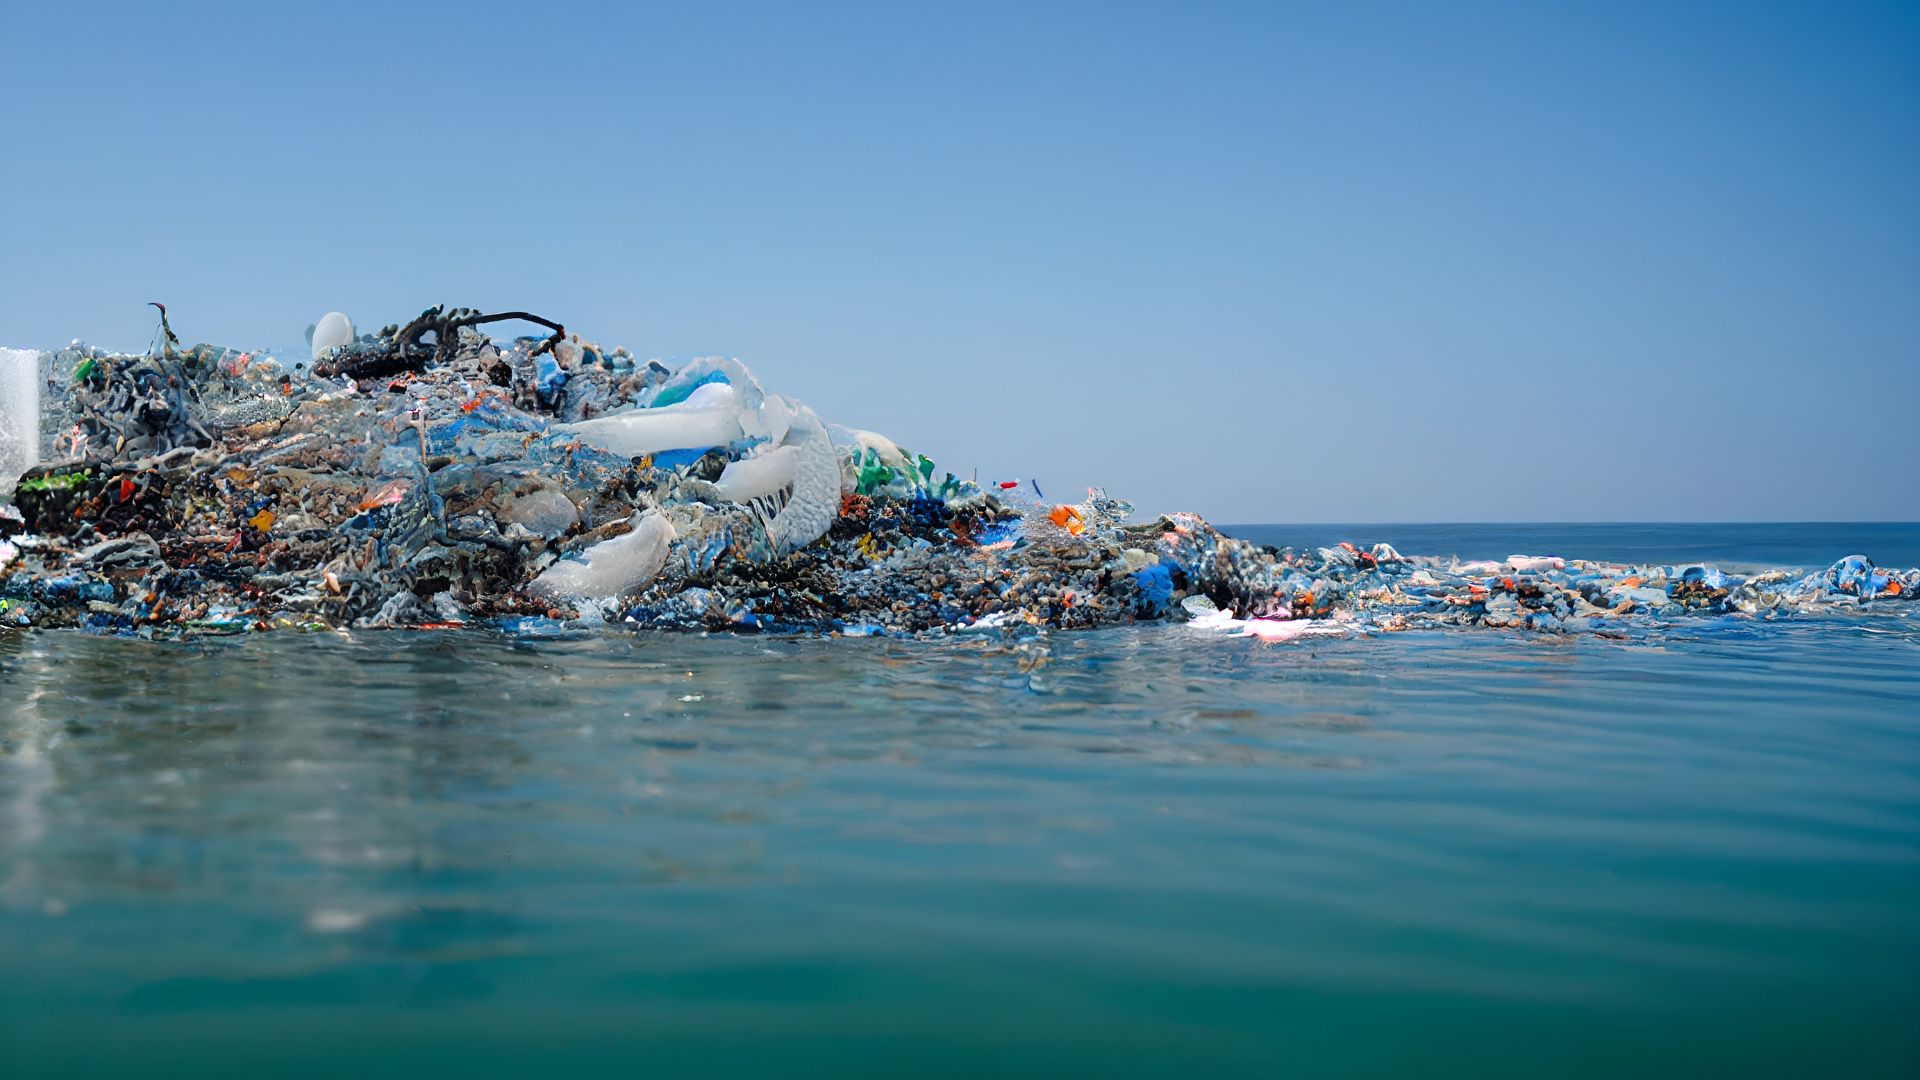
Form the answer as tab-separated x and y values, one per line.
1068	518
391	495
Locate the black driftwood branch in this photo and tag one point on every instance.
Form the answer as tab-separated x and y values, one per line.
404	348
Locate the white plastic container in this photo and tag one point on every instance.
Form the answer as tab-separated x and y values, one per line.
333	331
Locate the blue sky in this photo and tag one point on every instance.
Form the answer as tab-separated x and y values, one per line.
1369	262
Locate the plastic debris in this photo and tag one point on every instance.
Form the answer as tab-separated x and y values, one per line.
1527	564
612	568
333	332
430	476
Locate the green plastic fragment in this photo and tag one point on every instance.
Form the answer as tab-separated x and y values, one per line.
873	476
57	481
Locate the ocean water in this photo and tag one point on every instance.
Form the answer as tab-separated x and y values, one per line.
1136	852
1746	545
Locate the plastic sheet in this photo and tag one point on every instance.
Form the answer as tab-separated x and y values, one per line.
19	415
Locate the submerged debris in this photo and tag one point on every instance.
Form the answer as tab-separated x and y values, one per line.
430	476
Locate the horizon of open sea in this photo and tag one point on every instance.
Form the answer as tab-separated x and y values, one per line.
1143	851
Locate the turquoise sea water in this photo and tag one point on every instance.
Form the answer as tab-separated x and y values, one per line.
1138	852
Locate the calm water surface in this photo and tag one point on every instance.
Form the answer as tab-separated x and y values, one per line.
1136	852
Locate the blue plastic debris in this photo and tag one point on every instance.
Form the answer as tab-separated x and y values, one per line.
1156	588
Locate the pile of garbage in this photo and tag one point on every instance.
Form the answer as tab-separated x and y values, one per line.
429	476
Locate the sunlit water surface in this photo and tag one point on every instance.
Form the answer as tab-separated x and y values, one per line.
1140	852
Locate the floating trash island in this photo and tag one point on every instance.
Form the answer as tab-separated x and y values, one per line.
430	476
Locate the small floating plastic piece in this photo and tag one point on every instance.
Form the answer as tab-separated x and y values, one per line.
1527	564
